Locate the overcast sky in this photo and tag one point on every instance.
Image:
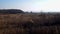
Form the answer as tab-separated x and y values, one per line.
31	5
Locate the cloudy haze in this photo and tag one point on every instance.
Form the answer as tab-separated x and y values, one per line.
31	5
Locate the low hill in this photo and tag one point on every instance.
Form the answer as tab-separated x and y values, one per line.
10	11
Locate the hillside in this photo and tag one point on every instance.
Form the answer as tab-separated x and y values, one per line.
10	11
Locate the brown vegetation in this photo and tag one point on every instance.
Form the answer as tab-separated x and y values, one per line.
29	24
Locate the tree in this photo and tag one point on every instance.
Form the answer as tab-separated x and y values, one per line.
11	11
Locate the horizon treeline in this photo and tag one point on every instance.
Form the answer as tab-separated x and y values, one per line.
11	11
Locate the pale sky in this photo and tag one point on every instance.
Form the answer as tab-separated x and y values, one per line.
31	5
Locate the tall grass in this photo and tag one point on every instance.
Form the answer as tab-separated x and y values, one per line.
29	24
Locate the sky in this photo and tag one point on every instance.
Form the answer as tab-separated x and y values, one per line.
31	5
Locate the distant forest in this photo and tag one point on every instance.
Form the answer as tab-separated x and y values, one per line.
10	11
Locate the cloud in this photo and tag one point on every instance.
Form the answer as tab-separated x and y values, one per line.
32	5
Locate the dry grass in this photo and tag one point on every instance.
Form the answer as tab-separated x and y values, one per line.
17	24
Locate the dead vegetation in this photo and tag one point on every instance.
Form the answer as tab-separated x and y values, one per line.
29	24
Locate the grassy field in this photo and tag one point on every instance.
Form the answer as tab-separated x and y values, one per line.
29	24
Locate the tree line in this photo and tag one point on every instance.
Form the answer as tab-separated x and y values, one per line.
11	11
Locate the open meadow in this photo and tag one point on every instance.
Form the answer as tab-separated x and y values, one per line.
29	24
